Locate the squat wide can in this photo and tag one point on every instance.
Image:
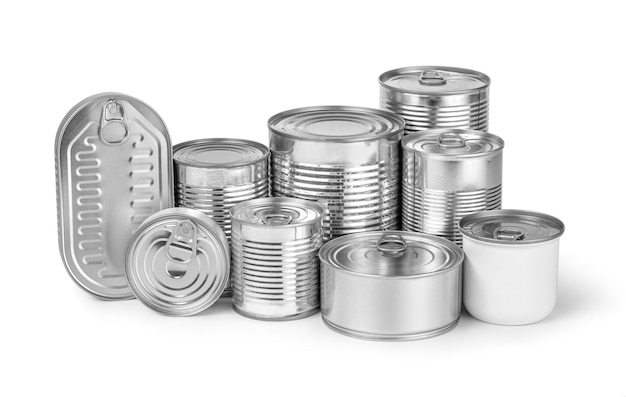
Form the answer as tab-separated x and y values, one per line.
345	158
448	174
429	97
391	285
275	268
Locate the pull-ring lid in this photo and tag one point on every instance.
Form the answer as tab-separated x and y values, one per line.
177	262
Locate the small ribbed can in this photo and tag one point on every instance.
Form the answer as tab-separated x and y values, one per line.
346	159
448	174
430	97
213	175
274	263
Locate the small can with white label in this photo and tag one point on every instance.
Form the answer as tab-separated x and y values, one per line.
511	265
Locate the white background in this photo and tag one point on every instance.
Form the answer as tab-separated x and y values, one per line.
557	98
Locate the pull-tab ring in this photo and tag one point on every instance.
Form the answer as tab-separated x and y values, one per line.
508	234
181	246
432	77
276	219
450	140
391	244
113	125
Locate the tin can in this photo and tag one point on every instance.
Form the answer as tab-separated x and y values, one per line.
213	175
391	285
430	97
511	265
178	262
113	170
275	268
448	174
345	158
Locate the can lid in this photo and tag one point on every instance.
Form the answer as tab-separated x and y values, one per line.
391	254
452	142
177	262
277	212
219	153
439	80
336	123
511	227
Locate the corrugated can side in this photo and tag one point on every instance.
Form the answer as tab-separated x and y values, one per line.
274	263
442	184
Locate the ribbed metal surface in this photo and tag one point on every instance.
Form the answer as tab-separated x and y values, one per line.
216	202
474	116
275	281
438	212
356	199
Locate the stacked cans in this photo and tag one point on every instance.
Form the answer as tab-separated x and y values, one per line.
213	175
448	174
429	97
345	158
275	266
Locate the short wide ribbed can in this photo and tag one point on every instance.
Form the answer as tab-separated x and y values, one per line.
448	174
345	158
429	97
274	263
213	175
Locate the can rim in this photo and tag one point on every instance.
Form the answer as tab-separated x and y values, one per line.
384	77
324	255
304	203
399	128
408	138
507	212
264	149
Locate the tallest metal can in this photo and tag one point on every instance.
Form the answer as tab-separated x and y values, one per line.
429	97
345	158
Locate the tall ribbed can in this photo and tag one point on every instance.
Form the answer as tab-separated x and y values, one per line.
213	175
274	263
345	158
448	174
430	97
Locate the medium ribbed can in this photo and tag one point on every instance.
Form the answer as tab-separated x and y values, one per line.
347	159
430	97
274	263
448	174
213	175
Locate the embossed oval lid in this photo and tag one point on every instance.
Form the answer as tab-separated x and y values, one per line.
178	262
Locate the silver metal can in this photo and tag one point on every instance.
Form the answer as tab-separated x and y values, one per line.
113	170
448	174
511	265
275	268
391	285
430	97
213	175
178	262
345	158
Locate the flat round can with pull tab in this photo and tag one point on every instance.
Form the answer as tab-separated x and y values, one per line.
113	170
178	262
391	285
